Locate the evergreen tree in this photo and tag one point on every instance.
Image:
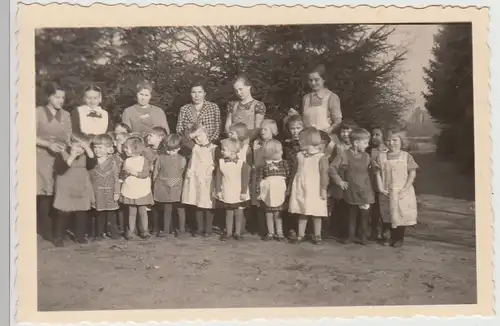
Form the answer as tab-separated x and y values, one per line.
450	96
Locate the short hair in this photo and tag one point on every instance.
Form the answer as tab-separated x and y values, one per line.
103	139
160	131
136	144
359	134
244	78
231	144
271	148
124	126
399	133
92	87
52	88
294	119
198	83
320	69
310	136
271	124
195	128
144	85
173	142
241	130
347	124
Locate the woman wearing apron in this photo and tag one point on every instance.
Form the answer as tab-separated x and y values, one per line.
53	130
247	109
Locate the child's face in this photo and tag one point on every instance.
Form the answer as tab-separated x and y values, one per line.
227	152
120	129
201	139
154	140
56	100
344	135
393	143
316	82
92	98
276	156
127	149
266	133
361	144
295	129
120	141
102	150
377	137
143	97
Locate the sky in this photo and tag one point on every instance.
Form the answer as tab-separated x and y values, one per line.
419	40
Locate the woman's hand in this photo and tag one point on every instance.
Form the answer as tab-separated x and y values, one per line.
323	194
344	185
55	147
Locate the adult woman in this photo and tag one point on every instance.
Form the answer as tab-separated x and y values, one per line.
142	117
199	111
321	107
90	118
247	109
53	130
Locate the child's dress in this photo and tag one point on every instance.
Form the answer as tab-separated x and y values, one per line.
168	173
105	183
74	190
233	179
355	170
273	180
311	177
198	183
135	190
399	209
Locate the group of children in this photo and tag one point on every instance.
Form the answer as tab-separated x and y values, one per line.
280	186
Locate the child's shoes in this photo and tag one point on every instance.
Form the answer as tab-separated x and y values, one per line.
317	240
267	237
224	237
238	237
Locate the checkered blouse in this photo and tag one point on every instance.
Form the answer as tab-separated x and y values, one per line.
208	116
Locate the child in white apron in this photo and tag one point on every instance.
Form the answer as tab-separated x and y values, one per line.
309	188
198	185
272	181
136	186
395	175
232	186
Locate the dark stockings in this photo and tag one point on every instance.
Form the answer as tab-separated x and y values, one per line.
44	219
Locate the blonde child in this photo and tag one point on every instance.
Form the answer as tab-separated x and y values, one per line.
350	170
309	188
291	148
199	180
168	174
73	189
396	171
377	146
104	174
240	131
232	186
91	118
136	186
272	181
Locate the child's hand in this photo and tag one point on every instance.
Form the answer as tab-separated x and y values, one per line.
384	192
243	197
116	197
323	194
344	185
402	192
218	195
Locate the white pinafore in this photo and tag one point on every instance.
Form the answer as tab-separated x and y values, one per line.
317	116
231	182
198	183
399	209
273	190
134	187
305	196
93	125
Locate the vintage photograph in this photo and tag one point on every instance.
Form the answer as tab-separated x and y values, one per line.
254	166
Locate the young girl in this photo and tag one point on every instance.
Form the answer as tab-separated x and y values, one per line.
240	132
309	188
136	186
119	156
106	185
231	186
73	189
291	148
198	183
272	187
350	170
377	146
90	118
396	170
168	175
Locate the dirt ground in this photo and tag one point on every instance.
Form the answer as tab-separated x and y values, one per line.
437	264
